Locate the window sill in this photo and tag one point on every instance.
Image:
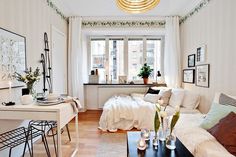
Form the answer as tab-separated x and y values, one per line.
122	84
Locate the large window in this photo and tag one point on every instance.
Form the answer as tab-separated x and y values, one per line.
119	56
98	58
116	58
153	58
135	57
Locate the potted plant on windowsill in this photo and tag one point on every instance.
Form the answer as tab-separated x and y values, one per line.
145	72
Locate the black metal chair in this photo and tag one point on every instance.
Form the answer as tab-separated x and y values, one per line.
52	125
14	138
35	129
47	127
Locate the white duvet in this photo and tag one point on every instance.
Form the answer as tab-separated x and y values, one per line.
125	112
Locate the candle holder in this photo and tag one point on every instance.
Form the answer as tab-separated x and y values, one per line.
155	142
142	144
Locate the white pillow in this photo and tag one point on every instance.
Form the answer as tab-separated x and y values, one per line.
140	95
165	96
177	96
217	97
153	98
191	100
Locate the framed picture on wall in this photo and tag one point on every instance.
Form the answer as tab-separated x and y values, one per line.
12	57
201	54
188	75
191	60
122	79
203	75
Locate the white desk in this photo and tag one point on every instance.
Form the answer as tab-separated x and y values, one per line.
62	113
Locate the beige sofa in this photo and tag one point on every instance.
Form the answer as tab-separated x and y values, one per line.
198	140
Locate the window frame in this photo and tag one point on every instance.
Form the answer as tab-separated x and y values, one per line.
126	55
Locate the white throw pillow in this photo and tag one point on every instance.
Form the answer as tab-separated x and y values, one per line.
153	98
165	96
191	100
177	96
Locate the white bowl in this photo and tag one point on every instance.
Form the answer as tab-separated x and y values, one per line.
52	96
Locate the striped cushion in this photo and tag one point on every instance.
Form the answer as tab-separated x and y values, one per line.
226	100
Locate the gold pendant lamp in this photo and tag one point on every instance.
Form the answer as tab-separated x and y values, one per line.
137	6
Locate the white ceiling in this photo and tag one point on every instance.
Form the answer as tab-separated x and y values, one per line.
108	8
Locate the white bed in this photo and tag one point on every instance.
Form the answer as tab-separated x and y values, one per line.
131	111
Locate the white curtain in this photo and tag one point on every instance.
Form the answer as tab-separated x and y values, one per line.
76	59
172	64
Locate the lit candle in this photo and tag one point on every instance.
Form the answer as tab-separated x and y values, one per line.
142	143
146	135
10	84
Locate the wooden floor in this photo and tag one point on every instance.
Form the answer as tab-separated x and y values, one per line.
89	137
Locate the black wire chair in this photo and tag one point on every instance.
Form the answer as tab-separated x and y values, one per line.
47	127
35	129
14	138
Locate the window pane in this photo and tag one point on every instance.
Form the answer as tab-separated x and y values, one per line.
135	58
98	56
153	55
116	58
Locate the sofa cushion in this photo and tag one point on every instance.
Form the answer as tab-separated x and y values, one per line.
227	100
191	100
225	132
216	113
211	148
177	96
217	97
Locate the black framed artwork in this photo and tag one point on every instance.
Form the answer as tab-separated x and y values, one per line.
203	75
188	76
201	54
191	60
12	57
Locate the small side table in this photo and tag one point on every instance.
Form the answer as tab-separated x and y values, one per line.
162	151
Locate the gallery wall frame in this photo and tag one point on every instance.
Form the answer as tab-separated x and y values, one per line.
191	60
189	76
201	54
203	75
12	57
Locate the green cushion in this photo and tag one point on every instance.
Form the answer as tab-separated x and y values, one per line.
216	113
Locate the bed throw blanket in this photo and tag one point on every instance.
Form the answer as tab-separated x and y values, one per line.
125	112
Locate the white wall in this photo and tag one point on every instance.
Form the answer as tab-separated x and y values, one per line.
30	18
215	26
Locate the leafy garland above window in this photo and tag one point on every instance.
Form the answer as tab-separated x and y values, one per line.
123	24
160	24
194	11
54	7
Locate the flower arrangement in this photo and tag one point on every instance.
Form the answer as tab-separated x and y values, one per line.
160	116
29	78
